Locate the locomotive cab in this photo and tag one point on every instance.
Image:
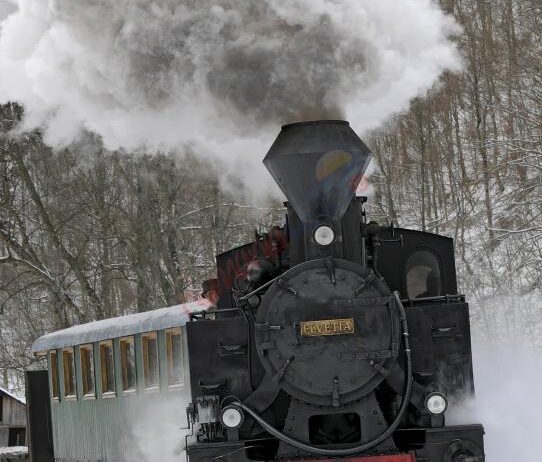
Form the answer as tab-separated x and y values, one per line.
335	337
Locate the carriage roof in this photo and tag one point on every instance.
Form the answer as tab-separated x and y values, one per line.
122	326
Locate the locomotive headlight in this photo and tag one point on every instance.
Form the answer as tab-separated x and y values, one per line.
324	235
231	417
436	403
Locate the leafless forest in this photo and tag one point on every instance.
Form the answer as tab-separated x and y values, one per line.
87	234
467	160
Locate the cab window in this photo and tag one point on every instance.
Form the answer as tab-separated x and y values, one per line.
423	275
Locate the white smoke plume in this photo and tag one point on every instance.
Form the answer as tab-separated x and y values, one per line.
158	428
508	401
6	8
166	74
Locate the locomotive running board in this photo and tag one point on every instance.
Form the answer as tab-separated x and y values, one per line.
387	458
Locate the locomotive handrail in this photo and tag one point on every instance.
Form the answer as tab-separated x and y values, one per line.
436	298
260	288
366	446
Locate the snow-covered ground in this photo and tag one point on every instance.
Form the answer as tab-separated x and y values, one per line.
13	453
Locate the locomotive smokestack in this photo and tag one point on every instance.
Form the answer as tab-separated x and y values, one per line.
318	165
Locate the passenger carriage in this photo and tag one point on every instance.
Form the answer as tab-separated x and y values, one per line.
108	380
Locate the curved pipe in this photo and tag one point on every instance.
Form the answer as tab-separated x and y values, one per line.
363	447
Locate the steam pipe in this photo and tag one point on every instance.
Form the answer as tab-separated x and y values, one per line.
370	444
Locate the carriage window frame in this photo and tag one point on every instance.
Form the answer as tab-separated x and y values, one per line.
68	368
54	371
107	392
88	371
173	380
432	262
151	361
130	340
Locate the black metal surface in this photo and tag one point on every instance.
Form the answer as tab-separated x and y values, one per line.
441	346
427	445
40	436
318	166
300	415
351	238
446	444
261	449
297	437
270	248
314	368
350	243
393	258
211	370
296	237
220	452
229	265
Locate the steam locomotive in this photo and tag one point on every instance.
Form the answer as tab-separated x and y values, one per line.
331	337
335	337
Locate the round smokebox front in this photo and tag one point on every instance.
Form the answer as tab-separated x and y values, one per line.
323	327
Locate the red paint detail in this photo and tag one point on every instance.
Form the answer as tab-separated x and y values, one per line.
388	458
273	244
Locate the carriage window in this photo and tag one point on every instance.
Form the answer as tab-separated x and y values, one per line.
53	367
423	275
107	367
150	360
87	370
174	356
69	372
127	360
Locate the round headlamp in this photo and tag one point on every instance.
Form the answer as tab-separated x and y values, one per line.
324	235
231	417
436	403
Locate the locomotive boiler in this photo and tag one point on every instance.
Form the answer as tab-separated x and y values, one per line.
334	336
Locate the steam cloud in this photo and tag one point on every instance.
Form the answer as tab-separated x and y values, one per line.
508	404
164	74
158	430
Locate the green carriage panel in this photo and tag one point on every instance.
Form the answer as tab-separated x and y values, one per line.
119	426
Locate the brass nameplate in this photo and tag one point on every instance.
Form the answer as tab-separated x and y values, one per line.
327	327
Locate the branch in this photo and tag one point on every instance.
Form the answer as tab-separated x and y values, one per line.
52	232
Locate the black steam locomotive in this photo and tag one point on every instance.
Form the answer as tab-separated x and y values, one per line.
334	336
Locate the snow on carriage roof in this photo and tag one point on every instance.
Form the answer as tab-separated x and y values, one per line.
11	395
121	326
